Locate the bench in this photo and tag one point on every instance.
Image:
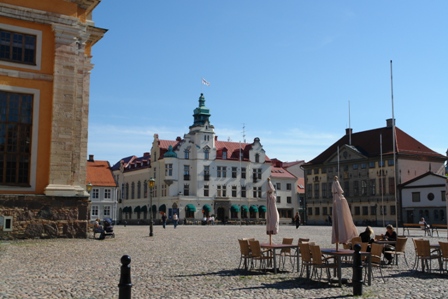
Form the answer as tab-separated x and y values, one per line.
407	226
436	227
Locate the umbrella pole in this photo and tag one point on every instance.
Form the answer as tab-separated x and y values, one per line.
270	239
337	245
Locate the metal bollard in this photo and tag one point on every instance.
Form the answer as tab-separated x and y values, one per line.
125	284
357	271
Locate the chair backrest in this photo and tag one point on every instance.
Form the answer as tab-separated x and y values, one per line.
356	240
378	237
376	251
364	246
244	247
423	248
317	254
400	245
287	241
301	240
305	252
255	248
444	249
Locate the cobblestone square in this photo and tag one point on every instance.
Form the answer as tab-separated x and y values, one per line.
192	261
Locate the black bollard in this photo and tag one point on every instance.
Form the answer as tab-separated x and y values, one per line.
125	284
357	271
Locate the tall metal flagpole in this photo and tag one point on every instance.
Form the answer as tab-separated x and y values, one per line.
381	177
393	144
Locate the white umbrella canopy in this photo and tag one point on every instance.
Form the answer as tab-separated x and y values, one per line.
272	217
343	227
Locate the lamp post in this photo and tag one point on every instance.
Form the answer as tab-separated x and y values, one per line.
151	183
89	187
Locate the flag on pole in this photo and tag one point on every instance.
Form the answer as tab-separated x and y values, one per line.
205	82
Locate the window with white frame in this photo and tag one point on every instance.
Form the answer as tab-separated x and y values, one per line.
168	169
95	193
107	193
94	210
106	212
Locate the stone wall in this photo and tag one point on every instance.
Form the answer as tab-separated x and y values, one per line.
39	216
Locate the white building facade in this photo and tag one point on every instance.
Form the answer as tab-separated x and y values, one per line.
198	176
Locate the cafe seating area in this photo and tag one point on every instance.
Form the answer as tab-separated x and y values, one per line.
381	259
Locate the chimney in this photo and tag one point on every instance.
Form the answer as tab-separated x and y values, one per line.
216	137
178	138
349	132
390	122
91	158
146	154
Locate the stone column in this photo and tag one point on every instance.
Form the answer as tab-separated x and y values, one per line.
70	113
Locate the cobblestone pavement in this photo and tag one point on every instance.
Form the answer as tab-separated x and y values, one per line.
187	262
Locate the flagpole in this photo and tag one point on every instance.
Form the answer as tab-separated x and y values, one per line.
393	143
381	177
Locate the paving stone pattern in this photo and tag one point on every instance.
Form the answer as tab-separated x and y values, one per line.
187	262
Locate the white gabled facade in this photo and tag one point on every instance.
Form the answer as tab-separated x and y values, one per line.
424	196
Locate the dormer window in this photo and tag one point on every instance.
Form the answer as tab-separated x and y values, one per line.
187	154
257	158
224	155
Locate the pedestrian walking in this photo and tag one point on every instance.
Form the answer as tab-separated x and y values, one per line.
164	220
175	220
297	220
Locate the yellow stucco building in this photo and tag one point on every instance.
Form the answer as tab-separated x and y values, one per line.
45	64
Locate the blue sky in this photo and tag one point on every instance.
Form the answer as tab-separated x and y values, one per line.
286	71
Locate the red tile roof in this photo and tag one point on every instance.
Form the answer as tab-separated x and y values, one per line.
368	144
301	185
279	172
99	174
232	148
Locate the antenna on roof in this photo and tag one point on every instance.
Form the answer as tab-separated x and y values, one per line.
244	133
349	126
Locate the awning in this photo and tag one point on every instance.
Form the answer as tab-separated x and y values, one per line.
190	207
244	208
253	209
262	209
137	209
235	208
144	209
127	210
154	208
162	208
207	208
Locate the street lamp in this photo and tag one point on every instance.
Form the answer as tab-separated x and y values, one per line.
151	183
89	187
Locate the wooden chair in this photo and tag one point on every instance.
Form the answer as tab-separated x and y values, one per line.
375	257
400	249
416	259
306	261
320	262
245	253
258	255
286	252
425	254
444	255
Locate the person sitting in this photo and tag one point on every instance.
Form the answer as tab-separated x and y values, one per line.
98	228
425	226
367	236
390	235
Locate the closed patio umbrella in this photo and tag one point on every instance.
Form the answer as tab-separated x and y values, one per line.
343	227
272	217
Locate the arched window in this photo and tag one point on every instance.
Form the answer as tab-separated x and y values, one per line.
139	189
257	158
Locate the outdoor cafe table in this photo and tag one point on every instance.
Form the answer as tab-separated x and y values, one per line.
275	247
339	254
